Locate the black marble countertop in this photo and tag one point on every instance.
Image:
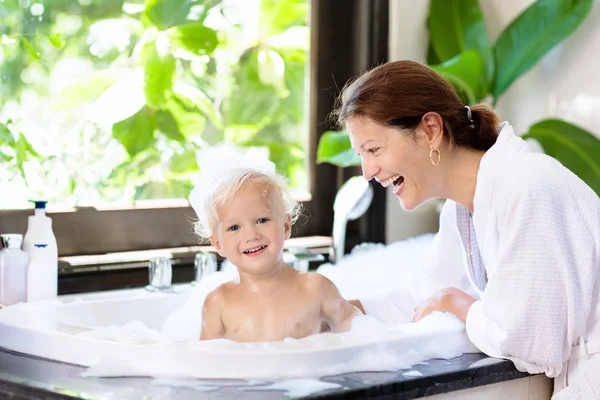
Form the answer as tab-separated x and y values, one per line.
23	377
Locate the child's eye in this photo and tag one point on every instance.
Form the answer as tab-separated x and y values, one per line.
263	220
374	150
233	228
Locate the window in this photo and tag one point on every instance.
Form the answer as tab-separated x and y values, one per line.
108	101
104	102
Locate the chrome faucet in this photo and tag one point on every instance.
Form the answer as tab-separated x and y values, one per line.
204	265
160	275
351	202
300	258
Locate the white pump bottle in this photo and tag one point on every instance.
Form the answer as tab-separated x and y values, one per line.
40	244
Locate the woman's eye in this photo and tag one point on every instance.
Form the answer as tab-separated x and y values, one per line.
263	220
233	228
374	150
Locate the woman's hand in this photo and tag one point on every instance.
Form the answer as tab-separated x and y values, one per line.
450	300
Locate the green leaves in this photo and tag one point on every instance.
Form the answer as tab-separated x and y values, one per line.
184	162
6	135
160	88
456	26
167	124
136	133
256	97
20	149
196	99
171	189
81	92
574	147
57	40
30	48
532	34
278	15
167	13
195	38
335	148
467	75
187	116
159	74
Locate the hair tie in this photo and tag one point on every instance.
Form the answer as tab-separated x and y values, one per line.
470	117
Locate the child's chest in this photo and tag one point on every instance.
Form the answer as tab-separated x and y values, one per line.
272	318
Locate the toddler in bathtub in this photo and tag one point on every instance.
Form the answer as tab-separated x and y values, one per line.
244	208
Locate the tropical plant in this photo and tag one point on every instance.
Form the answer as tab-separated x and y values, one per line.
460	50
126	92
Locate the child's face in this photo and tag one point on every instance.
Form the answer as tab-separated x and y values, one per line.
252	229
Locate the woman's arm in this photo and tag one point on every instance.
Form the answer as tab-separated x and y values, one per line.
451	300
544	281
444	267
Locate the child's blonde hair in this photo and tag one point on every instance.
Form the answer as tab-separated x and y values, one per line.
225	187
224	170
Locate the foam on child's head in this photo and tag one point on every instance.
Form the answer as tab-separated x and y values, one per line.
224	170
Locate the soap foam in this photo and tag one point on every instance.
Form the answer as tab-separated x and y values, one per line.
366	341
131	332
389	266
367	351
412	374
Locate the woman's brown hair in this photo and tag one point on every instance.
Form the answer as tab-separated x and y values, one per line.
399	93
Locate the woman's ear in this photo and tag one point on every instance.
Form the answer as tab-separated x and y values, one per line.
432	129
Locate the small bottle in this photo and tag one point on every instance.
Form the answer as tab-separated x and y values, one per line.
40	244
13	270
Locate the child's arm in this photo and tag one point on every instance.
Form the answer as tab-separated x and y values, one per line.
337	311
212	323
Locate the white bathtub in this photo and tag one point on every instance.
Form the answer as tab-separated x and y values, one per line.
60	330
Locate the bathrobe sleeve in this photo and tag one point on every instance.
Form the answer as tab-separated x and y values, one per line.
444	267
538	299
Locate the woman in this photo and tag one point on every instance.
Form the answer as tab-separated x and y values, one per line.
517	256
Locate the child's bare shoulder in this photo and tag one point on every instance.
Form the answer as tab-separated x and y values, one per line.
217	297
317	281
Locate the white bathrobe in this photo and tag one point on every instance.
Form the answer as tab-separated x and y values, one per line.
538	244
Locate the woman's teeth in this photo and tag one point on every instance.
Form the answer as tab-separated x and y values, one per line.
398	184
390	181
259	248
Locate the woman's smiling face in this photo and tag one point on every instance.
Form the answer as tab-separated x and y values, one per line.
394	158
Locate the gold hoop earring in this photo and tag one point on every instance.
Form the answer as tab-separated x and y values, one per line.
438	158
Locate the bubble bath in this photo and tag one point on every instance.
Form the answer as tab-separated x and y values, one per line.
137	333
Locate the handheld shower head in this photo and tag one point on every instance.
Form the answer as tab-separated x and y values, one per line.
351	202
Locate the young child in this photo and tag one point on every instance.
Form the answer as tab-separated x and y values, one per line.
244	208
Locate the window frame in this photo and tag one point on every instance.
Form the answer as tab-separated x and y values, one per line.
345	41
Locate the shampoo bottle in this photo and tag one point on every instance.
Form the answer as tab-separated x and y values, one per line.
13	270
40	245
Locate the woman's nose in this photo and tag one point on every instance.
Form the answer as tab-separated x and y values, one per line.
369	170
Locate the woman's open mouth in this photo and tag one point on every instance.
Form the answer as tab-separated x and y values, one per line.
398	184
396	180
255	250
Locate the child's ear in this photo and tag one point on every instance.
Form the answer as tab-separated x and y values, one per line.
288	227
216	244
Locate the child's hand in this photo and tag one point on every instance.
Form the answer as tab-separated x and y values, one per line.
450	300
